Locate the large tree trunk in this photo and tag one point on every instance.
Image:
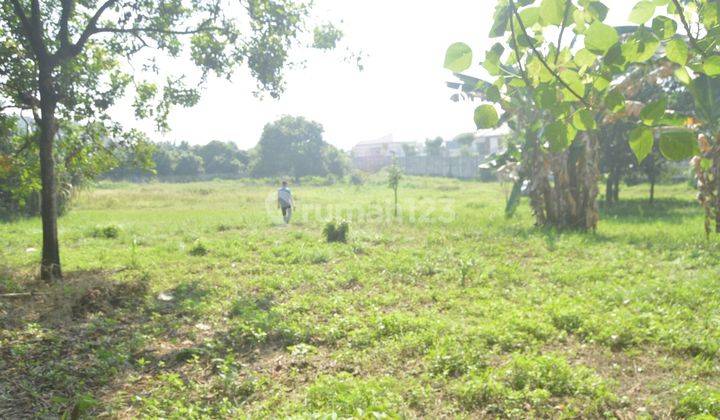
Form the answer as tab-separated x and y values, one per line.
50	265
616	188
609	194
588	172
612	186
708	184
563	186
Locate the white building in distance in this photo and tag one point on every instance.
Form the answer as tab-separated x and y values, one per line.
372	155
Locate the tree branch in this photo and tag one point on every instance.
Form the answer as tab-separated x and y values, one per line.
524	75
26	144
135	31
13	106
542	59
89	30
28	137
64	32
31	33
35	14
20	295
568	3
27	125
686	25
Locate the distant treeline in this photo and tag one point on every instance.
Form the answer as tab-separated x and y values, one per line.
184	161
290	147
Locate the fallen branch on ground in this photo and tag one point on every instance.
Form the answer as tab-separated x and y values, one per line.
20	295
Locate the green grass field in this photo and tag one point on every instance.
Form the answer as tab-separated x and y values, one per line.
190	301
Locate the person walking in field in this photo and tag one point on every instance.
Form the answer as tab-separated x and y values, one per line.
285	202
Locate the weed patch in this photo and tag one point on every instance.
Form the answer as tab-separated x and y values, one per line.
107	232
199	250
347	396
336	231
534	385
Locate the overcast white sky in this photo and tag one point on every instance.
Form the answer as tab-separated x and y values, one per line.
401	91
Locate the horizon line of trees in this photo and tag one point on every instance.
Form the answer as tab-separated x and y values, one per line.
289	147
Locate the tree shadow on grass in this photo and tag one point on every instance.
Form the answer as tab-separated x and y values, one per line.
551	235
76	346
633	211
64	341
640	211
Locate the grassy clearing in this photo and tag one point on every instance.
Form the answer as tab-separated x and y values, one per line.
190	301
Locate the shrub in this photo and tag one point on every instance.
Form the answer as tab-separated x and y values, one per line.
108	232
336	231
199	249
357	179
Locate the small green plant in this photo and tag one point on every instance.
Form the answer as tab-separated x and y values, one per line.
394	177
465	267
335	231
82	404
108	232
199	250
134	253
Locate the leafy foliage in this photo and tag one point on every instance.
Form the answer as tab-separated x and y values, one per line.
294	146
326	37
336	231
569	87
433	147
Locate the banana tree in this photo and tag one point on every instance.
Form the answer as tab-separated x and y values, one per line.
552	94
557	73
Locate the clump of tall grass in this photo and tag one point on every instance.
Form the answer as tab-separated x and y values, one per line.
336	231
108	232
199	249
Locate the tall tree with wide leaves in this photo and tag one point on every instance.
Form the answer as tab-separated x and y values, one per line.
70	60
558	71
